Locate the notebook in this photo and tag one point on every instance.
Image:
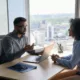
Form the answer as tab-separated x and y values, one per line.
21	67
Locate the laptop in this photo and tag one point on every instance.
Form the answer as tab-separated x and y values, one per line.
40	58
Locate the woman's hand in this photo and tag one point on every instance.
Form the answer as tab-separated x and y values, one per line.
54	57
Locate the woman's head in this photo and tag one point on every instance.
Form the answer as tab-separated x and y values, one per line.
74	30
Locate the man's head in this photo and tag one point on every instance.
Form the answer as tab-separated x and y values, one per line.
20	25
74	30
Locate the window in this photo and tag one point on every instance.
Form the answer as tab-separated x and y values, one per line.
49	21
3	18
15	11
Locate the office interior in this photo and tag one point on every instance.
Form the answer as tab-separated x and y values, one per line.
44	18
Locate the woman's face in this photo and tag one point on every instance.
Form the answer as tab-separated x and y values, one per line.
71	32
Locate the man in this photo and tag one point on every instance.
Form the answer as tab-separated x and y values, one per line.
14	44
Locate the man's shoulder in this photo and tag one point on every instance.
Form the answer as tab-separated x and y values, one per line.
7	37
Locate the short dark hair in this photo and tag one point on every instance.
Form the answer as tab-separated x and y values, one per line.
18	20
75	26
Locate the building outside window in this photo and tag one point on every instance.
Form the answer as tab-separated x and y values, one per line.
49	21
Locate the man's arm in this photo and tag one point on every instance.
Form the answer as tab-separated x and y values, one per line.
30	50
7	45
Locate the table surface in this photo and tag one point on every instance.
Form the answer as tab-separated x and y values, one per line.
44	71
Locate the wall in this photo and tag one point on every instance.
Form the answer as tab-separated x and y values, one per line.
3	17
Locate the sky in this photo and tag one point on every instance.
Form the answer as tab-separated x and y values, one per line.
51	6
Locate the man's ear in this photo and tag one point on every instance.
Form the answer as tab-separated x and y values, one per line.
33	45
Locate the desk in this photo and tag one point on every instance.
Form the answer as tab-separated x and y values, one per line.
44	71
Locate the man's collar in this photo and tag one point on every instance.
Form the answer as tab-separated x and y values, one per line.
15	34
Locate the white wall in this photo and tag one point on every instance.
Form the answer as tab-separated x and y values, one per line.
3	17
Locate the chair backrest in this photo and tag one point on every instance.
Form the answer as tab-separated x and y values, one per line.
1	37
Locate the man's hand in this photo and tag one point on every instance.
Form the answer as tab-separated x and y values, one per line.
54	57
41	53
29	47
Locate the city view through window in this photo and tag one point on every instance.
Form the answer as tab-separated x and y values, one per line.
49	21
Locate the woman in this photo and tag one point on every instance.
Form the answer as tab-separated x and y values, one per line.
72	60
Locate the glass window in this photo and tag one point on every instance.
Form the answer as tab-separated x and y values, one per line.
3	18
16	8
49	21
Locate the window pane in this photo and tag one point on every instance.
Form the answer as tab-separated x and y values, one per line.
15	11
49	21
3	18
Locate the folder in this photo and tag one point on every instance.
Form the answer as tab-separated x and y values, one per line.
21	67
